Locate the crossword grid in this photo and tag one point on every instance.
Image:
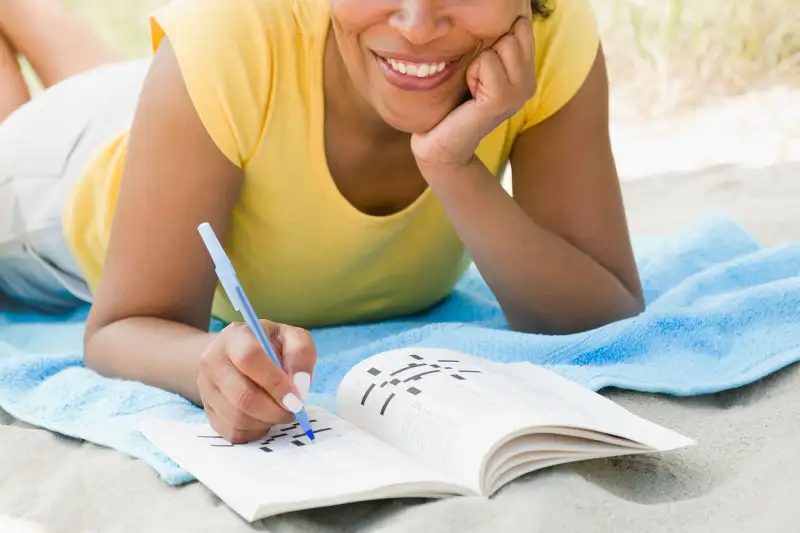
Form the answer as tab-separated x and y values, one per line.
419	363
289	433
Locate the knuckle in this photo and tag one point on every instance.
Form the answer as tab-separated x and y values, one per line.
266	324
207	358
244	400
246	351
232	329
240	420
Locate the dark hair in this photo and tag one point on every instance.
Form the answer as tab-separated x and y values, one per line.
540	8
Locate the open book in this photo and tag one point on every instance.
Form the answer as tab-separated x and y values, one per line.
422	423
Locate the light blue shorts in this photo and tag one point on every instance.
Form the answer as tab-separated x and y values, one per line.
45	146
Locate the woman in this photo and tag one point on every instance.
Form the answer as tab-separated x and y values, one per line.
348	152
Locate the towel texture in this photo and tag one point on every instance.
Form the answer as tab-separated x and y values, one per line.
722	312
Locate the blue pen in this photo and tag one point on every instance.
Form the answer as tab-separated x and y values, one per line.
230	282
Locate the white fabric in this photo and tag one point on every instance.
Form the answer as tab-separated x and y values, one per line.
44	148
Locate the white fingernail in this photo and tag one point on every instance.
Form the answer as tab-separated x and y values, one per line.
302	380
292	403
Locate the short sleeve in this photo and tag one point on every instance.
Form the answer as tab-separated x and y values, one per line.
567	42
225	60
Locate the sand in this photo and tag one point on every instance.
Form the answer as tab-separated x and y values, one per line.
741	477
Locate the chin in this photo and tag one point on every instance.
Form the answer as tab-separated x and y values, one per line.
413	115
412	123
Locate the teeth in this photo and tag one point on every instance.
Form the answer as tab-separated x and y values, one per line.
419	70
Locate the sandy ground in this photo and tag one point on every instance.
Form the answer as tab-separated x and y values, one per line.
757	130
741	478
740	156
742	159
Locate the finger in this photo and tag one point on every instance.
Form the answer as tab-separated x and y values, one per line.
246	396
231	435
523	33
234	418
510	54
298	355
247	355
473	77
492	76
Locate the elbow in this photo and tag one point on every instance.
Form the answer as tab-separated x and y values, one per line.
93	358
574	321
90	359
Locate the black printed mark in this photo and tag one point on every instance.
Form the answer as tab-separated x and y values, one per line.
420	376
216	437
385	405
366	394
411	366
265	444
423	369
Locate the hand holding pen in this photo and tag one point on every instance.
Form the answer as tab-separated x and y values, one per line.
254	374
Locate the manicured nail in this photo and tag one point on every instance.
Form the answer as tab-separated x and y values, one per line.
302	380
292	403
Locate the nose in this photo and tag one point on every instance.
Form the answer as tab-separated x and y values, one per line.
419	21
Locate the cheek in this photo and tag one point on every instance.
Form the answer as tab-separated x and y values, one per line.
488	25
352	17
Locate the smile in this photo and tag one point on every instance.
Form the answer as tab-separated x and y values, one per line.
420	70
416	75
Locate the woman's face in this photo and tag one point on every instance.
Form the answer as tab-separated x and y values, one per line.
408	58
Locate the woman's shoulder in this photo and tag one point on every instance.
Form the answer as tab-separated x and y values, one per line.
239	24
566	43
230	53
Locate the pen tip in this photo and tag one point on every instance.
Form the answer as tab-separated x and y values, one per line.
310	435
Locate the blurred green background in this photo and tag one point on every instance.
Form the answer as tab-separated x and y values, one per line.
663	55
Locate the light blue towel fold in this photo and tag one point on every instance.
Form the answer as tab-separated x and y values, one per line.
722	312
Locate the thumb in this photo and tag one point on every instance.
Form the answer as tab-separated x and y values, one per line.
298	355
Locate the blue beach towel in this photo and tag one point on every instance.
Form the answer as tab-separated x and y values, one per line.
722	312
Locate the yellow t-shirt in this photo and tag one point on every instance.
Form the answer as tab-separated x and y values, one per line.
304	254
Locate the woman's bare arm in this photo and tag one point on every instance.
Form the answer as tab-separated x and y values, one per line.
557	255
151	312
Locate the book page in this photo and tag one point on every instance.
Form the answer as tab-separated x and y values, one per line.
452	410
284	471
444	408
587	409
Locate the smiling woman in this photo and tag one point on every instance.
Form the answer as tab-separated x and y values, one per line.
349	154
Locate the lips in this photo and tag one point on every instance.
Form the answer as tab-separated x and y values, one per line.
416	75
